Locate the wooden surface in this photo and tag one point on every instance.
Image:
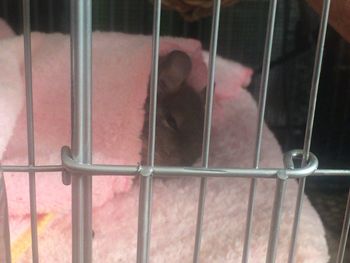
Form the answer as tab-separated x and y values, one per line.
339	16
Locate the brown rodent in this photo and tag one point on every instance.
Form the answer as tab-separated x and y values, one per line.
180	114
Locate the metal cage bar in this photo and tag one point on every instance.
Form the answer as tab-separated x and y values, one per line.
259	134
30	127
276	218
207	126
145	196
81	130
185	171
310	123
77	163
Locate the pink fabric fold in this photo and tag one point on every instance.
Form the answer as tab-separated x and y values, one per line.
121	68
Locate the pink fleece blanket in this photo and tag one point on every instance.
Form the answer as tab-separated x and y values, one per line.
120	76
120	87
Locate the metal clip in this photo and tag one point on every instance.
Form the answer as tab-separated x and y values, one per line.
309	168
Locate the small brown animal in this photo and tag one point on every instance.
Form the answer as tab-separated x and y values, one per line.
180	114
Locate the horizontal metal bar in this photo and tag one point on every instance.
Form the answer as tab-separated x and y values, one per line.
28	168
135	170
232	172
74	167
94	169
331	172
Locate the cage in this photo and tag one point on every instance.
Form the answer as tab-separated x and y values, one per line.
294	27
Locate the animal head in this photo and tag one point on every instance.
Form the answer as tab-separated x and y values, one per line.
180	114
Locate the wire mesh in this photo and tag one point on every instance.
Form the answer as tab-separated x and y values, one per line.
77	161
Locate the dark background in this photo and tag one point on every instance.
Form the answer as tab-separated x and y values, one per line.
241	37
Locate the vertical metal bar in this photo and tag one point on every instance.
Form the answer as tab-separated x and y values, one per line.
260	124
30	126
275	220
207	126
81	130
344	233
145	196
310	123
73	36
200	215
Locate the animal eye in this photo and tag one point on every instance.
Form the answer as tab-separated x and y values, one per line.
171	122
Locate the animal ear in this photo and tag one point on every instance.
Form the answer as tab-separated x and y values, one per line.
173	71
